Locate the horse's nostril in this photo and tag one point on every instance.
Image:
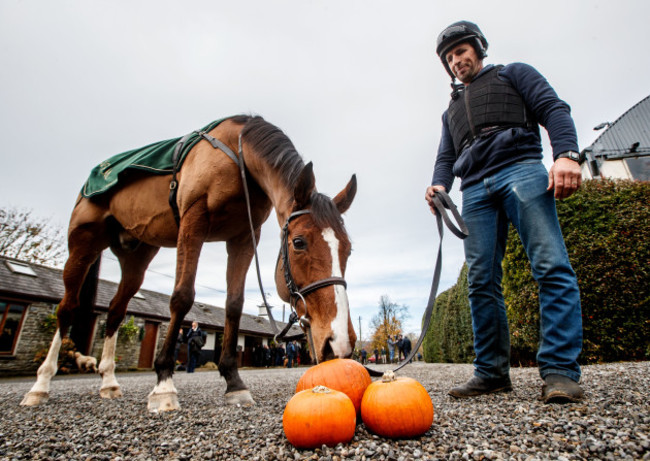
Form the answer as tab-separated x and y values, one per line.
327	353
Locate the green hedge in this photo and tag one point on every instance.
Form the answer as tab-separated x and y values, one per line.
606	230
449	338
607	234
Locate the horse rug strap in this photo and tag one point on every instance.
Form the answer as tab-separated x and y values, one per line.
442	202
180	147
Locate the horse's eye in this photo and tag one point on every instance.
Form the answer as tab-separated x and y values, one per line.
299	243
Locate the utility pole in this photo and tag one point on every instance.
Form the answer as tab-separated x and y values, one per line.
360	337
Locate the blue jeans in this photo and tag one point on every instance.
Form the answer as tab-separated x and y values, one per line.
193	361
517	194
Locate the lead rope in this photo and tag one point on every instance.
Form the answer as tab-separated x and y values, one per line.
441	202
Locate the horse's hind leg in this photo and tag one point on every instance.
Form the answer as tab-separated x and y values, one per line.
85	244
133	264
240	255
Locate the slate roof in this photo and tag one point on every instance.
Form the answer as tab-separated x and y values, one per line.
47	286
622	136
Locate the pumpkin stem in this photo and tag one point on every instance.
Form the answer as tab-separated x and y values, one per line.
321	390
388	377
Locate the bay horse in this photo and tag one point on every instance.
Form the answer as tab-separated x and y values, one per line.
135	219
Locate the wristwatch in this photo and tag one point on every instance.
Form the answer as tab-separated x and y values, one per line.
576	157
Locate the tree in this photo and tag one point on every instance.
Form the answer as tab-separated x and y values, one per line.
29	238
388	321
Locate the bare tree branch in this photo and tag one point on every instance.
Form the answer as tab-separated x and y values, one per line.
29	238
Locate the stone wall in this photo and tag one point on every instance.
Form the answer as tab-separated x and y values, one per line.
31	339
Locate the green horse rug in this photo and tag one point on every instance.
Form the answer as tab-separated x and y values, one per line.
156	158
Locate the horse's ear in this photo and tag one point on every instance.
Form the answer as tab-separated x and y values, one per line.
304	186
344	198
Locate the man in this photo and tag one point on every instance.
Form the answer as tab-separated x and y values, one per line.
406	345
491	140
195	341
391	348
291	353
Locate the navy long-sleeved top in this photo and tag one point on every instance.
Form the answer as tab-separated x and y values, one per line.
487	155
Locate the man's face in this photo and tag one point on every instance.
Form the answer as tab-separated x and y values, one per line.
464	63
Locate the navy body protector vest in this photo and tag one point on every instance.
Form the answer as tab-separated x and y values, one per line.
486	106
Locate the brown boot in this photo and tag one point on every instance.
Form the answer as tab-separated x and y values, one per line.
561	389
480	386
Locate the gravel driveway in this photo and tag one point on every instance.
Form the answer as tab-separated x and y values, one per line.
613	422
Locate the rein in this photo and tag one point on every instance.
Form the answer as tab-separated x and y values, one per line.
441	202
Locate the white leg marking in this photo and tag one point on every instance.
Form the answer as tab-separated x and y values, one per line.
41	389
110	387
340	342
164	397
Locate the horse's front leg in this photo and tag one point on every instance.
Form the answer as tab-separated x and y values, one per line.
192	233
240	255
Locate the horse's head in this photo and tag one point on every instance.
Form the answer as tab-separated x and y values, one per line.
311	267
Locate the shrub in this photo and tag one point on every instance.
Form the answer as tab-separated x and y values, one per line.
449	338
605	227
128	331
66	359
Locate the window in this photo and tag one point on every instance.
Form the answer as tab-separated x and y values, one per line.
11	319
20	268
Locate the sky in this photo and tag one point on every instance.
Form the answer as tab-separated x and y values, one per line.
356	85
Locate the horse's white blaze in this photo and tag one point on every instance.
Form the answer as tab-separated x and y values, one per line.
340	341
48	368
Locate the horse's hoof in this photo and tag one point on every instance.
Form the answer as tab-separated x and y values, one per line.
111	392
163	402
239	398
34	398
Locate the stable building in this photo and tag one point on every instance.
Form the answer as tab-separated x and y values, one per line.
622	151
29	296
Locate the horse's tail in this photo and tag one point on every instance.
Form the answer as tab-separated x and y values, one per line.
82	322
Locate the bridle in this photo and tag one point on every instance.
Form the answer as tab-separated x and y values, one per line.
295	293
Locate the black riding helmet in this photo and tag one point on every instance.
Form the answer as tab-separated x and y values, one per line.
457	33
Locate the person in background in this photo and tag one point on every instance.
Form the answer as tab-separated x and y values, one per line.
195	341
491	140
291	353
179	342
400	348
391	348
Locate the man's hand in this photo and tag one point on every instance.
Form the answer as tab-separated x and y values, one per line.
565	177
430	192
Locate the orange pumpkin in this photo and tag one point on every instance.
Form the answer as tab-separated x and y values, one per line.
397	407
318	416
345	375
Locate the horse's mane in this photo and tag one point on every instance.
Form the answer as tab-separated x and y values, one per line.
277	150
